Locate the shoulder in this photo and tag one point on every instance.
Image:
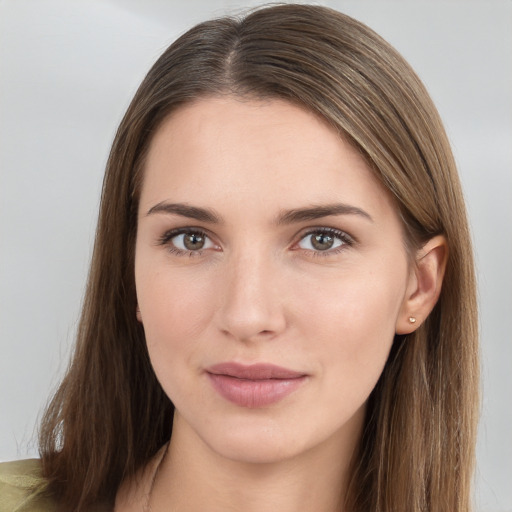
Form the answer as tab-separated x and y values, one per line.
22	488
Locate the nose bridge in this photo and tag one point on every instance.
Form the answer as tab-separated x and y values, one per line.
251	307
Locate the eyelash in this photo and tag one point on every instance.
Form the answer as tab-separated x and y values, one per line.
347	241
166	238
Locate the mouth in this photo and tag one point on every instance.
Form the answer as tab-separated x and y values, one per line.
256	385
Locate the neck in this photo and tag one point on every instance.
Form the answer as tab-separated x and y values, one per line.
193	477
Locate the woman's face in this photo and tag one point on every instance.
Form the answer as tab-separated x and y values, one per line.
271	272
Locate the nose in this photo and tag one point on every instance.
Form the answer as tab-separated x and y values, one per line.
252	307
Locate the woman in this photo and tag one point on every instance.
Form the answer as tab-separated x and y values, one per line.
282	279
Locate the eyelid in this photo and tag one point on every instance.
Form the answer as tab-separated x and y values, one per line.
347	239
171	233
167	236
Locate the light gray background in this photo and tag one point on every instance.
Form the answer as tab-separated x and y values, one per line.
68	69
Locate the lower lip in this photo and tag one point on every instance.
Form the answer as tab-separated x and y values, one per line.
254	393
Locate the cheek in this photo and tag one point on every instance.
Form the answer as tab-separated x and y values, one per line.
349	324
352	301
176	308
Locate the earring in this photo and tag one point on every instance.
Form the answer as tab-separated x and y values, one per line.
412	320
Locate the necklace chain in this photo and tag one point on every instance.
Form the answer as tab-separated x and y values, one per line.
147	504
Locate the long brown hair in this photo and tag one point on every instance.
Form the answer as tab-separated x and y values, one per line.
110	415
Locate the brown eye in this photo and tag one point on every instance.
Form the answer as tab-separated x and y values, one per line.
193	241
324	240
187	241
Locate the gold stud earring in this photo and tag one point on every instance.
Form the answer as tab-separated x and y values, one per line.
412	320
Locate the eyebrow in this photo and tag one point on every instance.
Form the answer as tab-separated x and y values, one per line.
317	212
185	210
286	217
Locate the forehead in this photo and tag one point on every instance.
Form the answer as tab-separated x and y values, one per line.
229	151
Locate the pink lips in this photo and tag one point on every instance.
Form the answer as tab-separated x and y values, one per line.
253	386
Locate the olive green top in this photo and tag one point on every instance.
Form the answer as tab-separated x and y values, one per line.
22	488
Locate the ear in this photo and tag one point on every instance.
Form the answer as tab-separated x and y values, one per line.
137	314
424	285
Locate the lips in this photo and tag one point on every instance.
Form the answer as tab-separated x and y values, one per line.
256	385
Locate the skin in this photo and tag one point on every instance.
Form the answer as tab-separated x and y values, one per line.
261	291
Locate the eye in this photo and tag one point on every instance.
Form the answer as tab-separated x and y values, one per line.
187	241
324	240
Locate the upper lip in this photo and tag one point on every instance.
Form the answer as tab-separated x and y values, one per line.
259	371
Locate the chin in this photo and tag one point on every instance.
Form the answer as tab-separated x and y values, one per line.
245	436
263	439
265	448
